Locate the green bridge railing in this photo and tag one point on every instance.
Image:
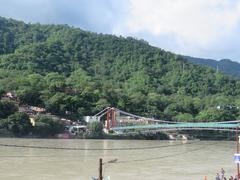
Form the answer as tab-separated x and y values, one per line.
181	126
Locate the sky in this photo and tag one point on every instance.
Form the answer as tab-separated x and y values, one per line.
198	28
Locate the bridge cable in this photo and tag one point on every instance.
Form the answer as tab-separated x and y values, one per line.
96	149
171	122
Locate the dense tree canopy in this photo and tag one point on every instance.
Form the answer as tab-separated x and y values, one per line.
19	123
73	73
7	108
47	126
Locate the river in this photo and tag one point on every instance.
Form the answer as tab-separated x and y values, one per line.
76	159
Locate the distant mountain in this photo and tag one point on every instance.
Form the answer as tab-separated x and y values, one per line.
225	65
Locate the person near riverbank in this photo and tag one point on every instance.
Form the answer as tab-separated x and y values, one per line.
236	177
222	173
217	177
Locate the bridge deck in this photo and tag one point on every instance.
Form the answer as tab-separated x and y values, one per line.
180	125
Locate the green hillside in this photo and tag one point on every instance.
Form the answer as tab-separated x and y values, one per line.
73	73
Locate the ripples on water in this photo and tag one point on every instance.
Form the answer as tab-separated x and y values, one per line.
56	159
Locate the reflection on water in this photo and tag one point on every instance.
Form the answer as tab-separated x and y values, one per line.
72	161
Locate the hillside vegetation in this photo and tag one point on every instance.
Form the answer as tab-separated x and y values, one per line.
74	73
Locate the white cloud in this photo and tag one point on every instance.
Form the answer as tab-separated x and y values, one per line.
204	28
93	15
194	24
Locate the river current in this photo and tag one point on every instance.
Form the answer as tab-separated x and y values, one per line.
77	159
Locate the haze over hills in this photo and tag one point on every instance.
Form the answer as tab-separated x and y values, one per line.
224	65
66	69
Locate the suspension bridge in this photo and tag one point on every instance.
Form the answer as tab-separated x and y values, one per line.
118	120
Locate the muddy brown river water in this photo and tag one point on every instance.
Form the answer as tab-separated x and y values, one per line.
76	159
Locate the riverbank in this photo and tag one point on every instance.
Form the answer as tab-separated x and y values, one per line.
210	135
189	135
136	136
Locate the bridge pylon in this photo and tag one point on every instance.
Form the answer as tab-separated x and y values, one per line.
111	118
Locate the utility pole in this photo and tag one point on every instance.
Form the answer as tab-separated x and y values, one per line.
100	177
237	141
183	67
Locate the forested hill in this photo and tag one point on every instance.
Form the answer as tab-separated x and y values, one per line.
66	69
224	65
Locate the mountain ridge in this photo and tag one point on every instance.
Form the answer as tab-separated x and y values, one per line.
226	66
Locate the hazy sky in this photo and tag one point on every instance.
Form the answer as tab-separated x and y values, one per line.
201	28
